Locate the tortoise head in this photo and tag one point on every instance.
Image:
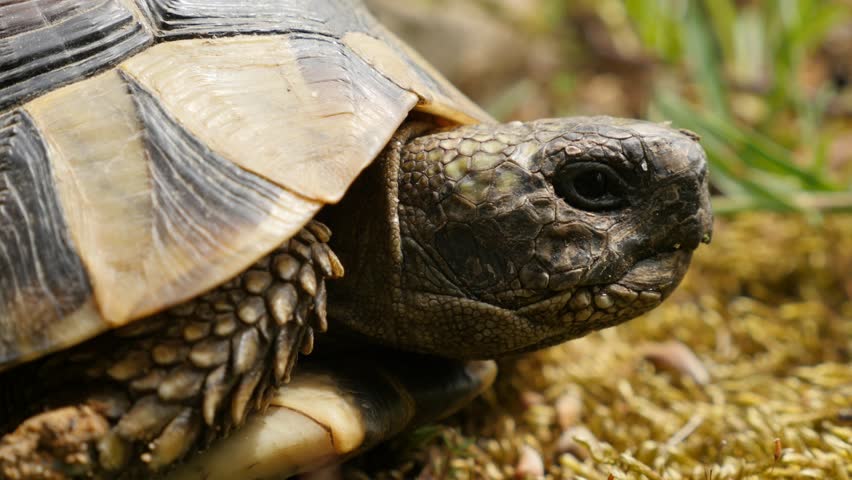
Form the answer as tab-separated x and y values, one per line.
518	236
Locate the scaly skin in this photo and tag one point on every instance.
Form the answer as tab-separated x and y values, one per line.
171	383
497	238
472	242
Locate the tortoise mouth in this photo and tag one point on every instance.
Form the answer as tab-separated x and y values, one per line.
578	311
662	272
655	276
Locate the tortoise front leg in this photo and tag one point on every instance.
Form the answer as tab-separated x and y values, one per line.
143	397
336	408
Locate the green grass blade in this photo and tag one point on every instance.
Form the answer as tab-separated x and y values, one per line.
752	147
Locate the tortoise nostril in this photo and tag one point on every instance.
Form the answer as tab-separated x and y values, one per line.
674	247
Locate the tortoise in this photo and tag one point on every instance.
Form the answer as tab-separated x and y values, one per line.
171	173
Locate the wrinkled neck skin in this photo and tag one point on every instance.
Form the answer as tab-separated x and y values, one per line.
469	242
368	300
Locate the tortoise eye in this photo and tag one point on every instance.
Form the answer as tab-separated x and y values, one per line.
591	186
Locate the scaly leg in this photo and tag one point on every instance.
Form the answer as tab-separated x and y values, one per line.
149	393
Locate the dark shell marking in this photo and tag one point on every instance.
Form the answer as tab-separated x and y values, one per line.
182	18
48	43
42	279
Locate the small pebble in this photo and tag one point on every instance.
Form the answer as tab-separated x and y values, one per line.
530	464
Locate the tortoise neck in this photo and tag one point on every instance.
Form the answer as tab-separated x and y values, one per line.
366	238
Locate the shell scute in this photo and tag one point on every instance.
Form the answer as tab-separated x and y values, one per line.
183	144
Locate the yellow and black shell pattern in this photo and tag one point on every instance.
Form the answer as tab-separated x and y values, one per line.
152	149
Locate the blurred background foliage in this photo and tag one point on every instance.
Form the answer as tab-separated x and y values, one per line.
766	84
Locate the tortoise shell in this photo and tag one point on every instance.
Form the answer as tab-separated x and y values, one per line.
152	149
